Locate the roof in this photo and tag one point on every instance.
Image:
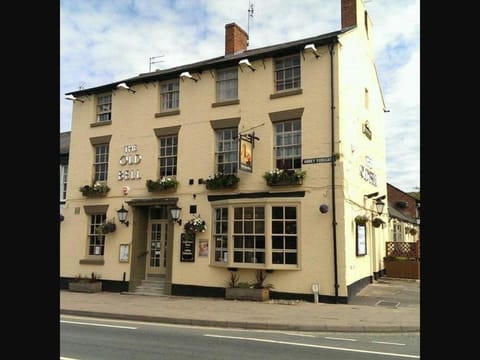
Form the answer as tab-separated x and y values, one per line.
394	213
65	142
221	61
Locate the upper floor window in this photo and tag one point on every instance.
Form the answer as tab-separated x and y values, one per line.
63	182
169	95
104	107
100	164
288	144
227	84
226	151
168	155
287	73
96	243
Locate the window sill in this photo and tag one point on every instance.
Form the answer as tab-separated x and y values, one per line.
286	93
167	113
102	123
226	103
271	268
92	261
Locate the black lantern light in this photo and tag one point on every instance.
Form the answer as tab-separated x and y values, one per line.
175	214
122	216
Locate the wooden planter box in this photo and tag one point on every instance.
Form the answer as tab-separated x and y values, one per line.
87	287
409	269
247	294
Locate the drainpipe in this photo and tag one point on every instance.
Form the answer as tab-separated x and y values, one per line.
334	213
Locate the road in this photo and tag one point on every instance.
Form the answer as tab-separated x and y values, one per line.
92	338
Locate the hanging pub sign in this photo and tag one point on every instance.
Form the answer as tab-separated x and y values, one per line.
187	247
246	152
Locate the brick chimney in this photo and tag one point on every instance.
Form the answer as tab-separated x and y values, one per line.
236	39
349	13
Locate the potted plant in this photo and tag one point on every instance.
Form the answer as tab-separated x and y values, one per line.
98	188
86	284
361	219
284	177
195	225
257	291
222	181
165	183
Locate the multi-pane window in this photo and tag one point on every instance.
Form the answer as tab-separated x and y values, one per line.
100	164
63	182
284	235
288	144
168	155
96	243
169	95
249	234
104	107
398	234
220	234
287	73
227	84
253	241
226	151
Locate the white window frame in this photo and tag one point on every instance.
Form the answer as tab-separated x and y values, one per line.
63	182
288	73
169	95
94	239
288	144
226	151
227	84
104	107
100	164
168	155
223	236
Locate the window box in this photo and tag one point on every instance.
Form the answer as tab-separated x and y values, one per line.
222	181
277	177
97	189
163	185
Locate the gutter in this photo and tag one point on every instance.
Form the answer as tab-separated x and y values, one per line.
334	213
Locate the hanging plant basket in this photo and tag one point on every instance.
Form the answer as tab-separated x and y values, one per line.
106	228
377	222
361	219
195	225
413	231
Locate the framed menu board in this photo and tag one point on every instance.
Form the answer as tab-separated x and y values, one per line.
187	247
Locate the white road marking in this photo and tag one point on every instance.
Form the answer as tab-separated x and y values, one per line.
65	358
315	346
94	324
343	339
388	343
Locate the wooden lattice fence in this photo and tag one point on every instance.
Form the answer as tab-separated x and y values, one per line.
403	249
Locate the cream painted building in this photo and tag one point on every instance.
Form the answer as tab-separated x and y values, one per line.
311	106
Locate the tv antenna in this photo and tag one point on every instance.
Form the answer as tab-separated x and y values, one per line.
250	15
82	86
153	60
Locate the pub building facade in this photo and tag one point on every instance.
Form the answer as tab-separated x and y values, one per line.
274	155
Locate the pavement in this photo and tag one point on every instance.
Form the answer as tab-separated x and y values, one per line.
386	305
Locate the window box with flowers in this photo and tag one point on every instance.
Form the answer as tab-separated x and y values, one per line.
107	227
165	184
222	181
195	225
97	189
284	177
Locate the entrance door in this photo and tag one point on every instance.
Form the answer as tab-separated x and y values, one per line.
157	247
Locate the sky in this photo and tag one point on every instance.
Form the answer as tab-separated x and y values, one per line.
104	41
